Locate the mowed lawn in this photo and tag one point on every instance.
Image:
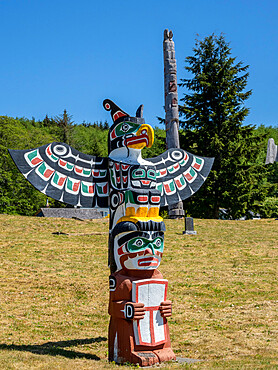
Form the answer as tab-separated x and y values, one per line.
54	293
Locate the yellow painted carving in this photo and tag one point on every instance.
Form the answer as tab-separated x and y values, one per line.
153	212
147	130
135	219
130	211
142	212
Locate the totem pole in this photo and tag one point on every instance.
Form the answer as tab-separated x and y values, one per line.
272	152
134	189
171	106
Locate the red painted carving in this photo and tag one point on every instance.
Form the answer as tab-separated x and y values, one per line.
126	315
172	86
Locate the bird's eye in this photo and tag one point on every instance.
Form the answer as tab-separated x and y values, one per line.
125	127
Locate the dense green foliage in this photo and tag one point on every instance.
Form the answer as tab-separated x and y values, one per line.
212	120
16	194
91	139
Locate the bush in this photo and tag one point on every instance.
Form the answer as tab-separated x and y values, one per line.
269	208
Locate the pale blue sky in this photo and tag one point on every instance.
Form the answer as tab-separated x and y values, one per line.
58	54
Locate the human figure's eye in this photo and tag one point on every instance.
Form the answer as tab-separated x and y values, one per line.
138	243
158	243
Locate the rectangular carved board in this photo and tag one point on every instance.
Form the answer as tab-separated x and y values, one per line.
151	330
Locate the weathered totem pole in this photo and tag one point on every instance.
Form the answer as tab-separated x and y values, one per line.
272	152
171	106
134	189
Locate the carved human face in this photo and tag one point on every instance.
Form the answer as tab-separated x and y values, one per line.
139	250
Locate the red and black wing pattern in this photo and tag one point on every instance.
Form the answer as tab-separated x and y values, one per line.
63	173
179	174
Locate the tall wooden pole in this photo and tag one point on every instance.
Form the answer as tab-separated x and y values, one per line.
171	106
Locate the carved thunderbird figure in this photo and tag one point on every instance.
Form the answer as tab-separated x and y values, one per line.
134	189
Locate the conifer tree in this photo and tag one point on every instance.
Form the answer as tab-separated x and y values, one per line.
65	122
212	117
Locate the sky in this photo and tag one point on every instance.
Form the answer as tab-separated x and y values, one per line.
68	54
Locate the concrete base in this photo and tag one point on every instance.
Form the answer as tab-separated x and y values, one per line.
189	232
182	360
178	360
78	213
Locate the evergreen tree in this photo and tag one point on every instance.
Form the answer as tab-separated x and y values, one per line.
65	122
48	122
212	118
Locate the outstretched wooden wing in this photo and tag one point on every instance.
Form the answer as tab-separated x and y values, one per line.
65	174
179	174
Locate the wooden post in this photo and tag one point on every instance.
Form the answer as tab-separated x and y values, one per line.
272	152
171	106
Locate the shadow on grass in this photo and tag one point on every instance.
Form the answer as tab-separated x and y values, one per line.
56	348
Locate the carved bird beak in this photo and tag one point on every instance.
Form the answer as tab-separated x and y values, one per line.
144	137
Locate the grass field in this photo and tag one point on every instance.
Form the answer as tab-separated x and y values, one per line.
54	293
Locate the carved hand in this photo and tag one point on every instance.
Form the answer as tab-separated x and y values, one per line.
166	308
134	311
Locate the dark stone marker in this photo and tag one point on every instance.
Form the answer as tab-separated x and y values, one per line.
189	226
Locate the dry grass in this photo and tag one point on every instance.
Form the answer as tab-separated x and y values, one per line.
54	293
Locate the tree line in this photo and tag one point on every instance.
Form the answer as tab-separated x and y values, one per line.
212	114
